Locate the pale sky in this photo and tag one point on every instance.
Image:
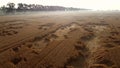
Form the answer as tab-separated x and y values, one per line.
89	4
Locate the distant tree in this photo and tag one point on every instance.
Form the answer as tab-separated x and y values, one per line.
25	6
20	6
3	8
11	7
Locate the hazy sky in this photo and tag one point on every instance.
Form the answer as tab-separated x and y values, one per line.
90	4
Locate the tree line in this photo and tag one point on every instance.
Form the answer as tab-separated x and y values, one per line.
10	7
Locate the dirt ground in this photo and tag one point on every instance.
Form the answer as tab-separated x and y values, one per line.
75	39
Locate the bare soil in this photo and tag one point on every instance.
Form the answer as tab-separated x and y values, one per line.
86	39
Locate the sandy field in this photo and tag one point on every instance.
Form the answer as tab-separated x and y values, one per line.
75	39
